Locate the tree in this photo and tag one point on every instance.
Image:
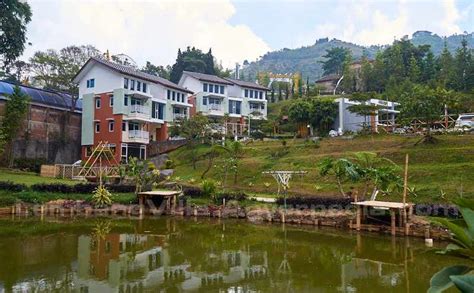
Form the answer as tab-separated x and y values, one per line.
463	63
300	111
195	130
445	66
14	16
342	169
159	70
363	107
55	69
323	113
425	104
235	152
16	108
335	60
192	60
429	67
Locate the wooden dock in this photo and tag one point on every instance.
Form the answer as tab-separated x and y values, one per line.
170	196
404	211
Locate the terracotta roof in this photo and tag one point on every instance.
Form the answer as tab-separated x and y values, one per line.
207	77
135	73
330	77
248	84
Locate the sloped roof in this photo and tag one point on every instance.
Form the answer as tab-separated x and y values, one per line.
133	72
207	77
330	77
44	97
248	84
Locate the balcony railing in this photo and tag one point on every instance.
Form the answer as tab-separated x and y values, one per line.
179	116
138	136
139	109
214	107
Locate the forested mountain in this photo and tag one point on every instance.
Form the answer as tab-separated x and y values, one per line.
307	60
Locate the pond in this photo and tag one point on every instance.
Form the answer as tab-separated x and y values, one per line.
205	255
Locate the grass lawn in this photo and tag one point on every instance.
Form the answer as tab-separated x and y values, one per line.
29	178
438	172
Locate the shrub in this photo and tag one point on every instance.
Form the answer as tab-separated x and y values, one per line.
318	202
192	191
121	188
32	165
169	164
85	187
53	187
209	188
11	186
101	197
230	196
7	200
437	210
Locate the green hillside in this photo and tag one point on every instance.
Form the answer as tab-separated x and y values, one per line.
446	167
307	59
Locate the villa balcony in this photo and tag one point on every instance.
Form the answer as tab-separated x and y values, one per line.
179	116
215	109
137	136
139	112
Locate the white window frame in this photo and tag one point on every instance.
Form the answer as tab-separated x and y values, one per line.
98	99
97	127
111	126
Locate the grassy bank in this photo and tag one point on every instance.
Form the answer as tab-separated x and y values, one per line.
30	178
437	172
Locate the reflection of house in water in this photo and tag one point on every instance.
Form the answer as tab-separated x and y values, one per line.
125	262
236	267
389	275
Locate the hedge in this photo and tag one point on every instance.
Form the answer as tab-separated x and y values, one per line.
315	202
11	186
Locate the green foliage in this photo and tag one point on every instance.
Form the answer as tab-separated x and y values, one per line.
142	172
101	197
159	70
299	111
462	246
56	69
209	188
15	110
336	59
14	17
192	60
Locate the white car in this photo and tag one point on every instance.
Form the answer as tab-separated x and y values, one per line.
465	121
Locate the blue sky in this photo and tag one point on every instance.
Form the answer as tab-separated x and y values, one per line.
236	30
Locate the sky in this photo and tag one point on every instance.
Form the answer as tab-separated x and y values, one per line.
236	30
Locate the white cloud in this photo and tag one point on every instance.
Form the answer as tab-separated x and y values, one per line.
379	22
145	30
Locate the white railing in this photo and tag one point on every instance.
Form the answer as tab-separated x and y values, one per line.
138	109
179	116
138	134
214	107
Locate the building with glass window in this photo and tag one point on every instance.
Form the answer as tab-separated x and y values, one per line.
126	107
215	97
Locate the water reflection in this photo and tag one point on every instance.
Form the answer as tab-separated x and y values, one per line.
169	255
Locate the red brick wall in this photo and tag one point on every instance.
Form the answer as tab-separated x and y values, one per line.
192	101
103	115
162	133
48	133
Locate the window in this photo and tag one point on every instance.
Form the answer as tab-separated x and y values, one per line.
168	93
125	100
124	149
125	83
222	89
124	126
88	151
204	87
97	103
174	95
144	87
90	83
234	107
251	94
111	101
139	85
111	126
97	127
132	84
211	88
204	101
246	93
261	95
157	110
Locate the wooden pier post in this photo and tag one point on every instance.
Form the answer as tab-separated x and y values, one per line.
393	221
358	218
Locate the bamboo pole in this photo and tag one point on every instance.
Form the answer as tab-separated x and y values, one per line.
405	188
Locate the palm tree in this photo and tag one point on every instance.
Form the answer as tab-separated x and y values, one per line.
342	169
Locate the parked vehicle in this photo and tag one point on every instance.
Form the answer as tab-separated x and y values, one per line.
465	121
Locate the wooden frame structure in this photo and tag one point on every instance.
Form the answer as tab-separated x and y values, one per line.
171	198
90	168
